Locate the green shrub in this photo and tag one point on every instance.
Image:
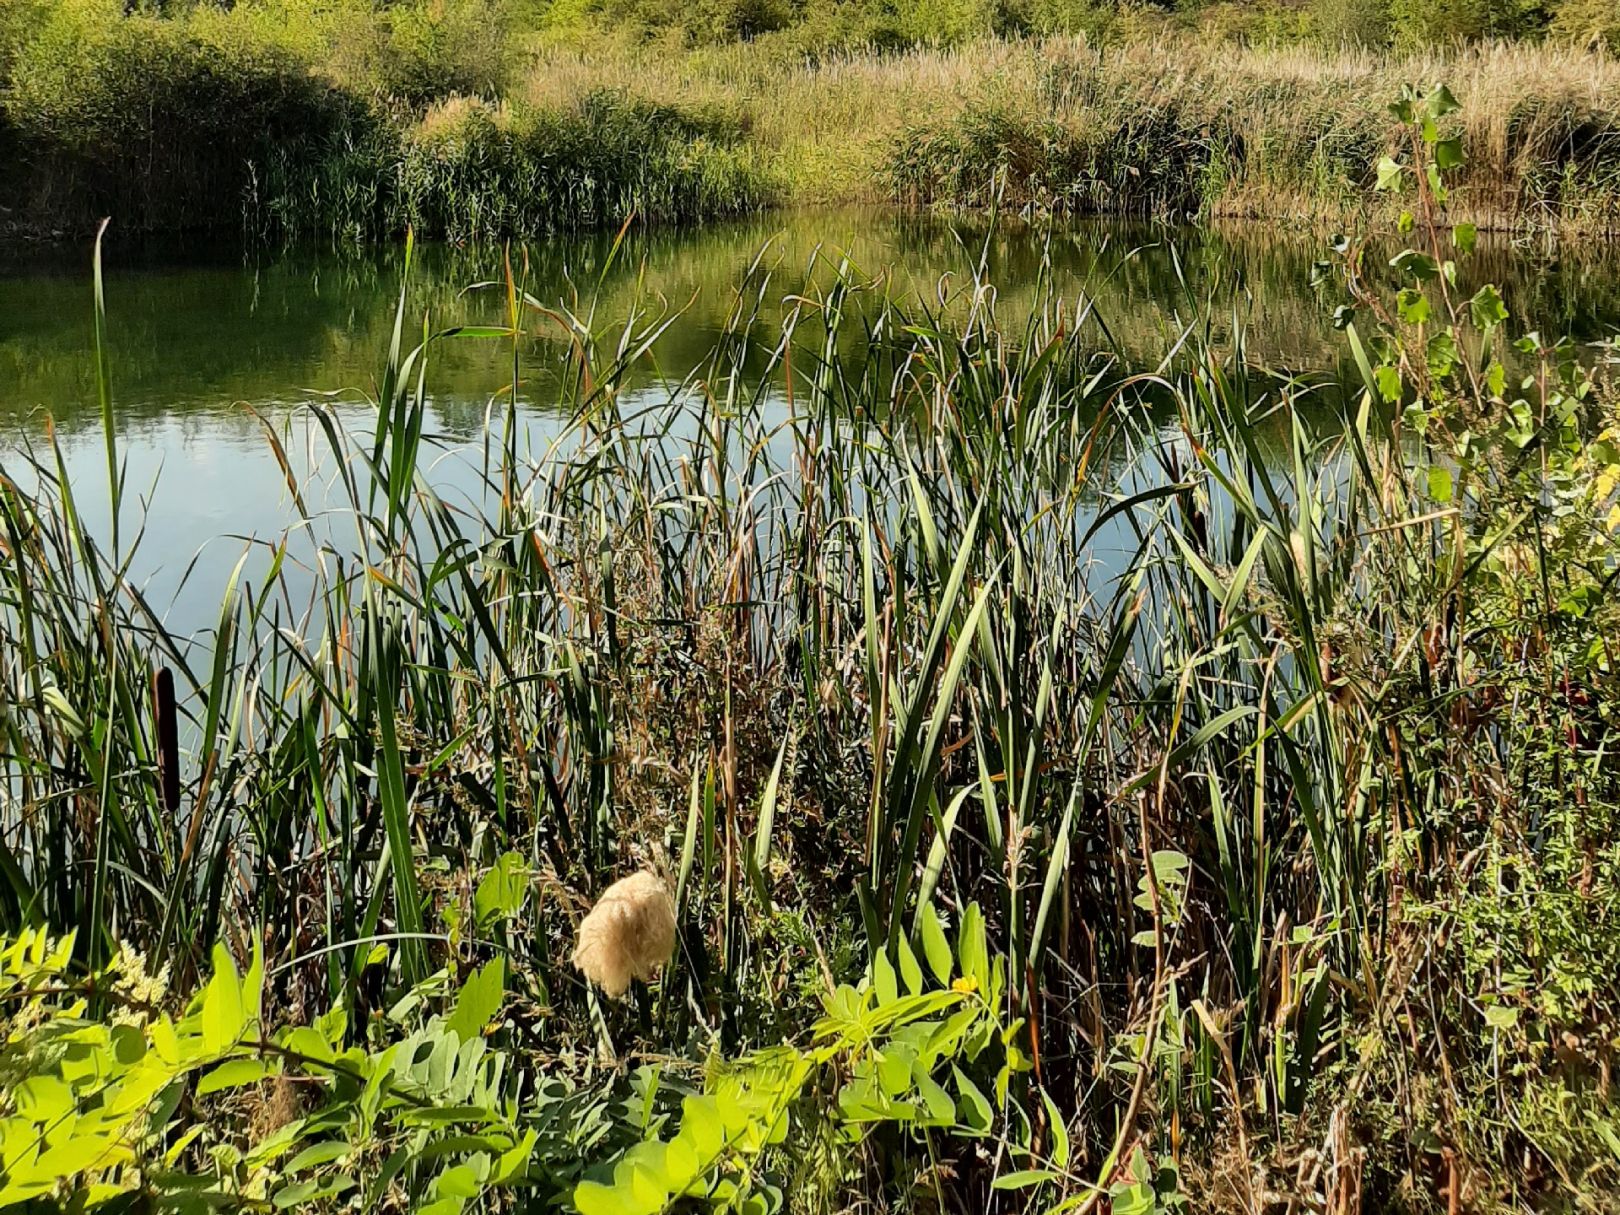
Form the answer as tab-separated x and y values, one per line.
436	48
1093	18
1591	23
706	22
1350	22
18	20
731	20
472	170
1254	24
1417	23
148	121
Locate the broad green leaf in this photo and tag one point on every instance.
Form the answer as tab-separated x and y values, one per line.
479	1000
1441	102
935	948
1487	308
972	1107
316	1154
74	1156
223	1016
1440	483
972	949
501	892
234	1073
1413	306
1022	1179
1389	382
884	981
1442	354
910	971
1059	1155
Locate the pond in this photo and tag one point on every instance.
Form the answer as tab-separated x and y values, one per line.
209	347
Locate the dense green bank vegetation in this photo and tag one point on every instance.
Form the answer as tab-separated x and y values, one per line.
1078	789
471	119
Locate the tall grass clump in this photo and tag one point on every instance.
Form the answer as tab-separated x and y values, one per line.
1589	23
1262	134
471	171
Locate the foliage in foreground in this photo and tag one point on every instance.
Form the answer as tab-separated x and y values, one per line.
212	1111
1259	756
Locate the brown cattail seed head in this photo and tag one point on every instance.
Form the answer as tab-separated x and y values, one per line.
630	933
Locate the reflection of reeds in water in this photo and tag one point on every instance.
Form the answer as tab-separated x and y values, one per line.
314	320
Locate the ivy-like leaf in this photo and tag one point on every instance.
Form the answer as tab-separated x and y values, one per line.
1413	306
1487	308
1419	265
1441	102
1389	382
1442	354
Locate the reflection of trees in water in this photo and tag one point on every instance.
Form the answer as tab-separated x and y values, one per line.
213	327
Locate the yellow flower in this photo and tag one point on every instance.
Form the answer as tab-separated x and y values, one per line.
966	985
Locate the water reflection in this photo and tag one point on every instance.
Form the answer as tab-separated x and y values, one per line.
207	331
208	348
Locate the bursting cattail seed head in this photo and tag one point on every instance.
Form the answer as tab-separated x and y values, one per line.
630	933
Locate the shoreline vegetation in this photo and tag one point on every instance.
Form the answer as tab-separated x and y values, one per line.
1074	790
472	120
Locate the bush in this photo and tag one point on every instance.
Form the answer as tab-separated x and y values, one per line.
1092	18
437	48
733	20
149	121
1262	24
1350	22
1591	23
1418	23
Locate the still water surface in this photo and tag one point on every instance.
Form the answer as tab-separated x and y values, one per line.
205	344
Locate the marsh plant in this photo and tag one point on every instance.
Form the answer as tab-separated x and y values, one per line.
1079	786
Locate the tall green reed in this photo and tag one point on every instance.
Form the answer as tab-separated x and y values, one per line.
883	602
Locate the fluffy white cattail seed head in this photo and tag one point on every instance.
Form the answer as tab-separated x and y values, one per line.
630	933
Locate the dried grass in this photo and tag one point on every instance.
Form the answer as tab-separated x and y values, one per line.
629	934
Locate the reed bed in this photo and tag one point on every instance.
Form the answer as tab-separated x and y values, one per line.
1249	751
